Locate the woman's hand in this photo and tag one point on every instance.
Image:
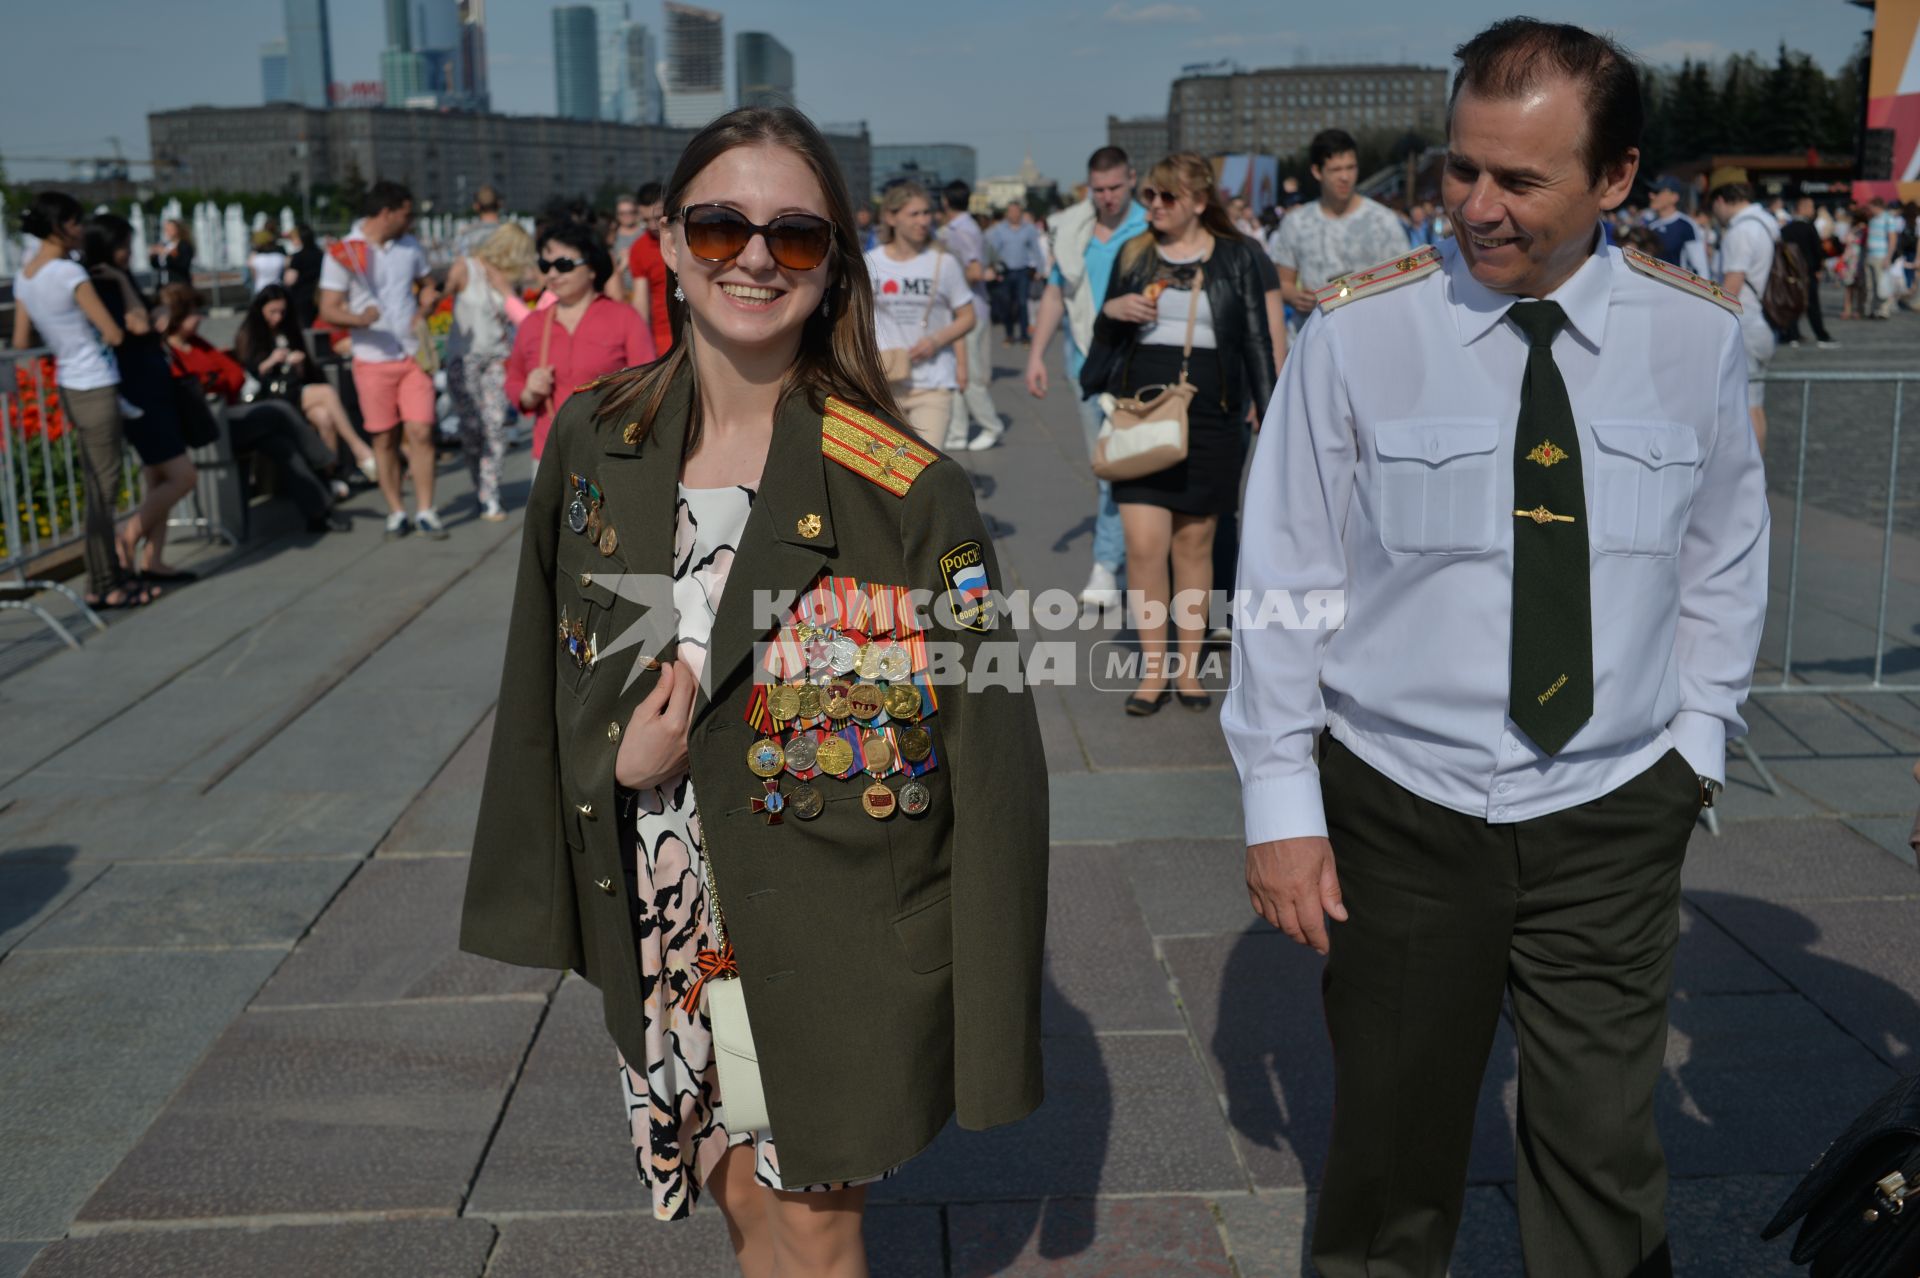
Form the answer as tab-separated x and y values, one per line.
922	349
295	358
653	749
1130	308
539	386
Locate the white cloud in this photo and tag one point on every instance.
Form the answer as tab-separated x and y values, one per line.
1158	13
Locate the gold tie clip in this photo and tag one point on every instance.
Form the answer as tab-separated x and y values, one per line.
1541	515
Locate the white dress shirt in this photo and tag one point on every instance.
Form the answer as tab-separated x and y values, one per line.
387	283
1385	470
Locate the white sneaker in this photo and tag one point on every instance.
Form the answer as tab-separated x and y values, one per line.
491	511
1827	346
955	442
1102	589
396	525
427	524
986	439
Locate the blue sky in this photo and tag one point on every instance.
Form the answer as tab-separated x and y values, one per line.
998	74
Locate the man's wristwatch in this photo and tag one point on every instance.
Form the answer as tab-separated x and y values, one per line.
1709	791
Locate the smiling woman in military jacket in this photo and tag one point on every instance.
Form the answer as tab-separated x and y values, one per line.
740	577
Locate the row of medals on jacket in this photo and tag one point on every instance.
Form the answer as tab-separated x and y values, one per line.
882	673
583	518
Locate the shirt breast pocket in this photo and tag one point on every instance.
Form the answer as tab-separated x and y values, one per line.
1437	485
585	622
1643	473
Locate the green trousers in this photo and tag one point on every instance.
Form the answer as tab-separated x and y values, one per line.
1574	916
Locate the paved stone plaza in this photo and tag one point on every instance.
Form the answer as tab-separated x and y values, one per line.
236	1037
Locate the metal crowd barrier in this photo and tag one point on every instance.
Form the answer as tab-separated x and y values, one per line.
1880	685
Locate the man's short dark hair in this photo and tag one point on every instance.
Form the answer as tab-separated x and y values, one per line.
1108	158
958	195
1513	55
1328	143
1733	193
650	193
383	195
486	200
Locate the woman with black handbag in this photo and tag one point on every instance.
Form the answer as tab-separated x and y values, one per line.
1186	308
272	348
151	417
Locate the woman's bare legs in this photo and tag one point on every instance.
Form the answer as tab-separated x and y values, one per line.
166	484
748	1208
817	1235
322	406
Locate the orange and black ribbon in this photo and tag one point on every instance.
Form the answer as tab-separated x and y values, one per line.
712	965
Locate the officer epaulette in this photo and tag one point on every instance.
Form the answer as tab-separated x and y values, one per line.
1378	279
1684	280
870	448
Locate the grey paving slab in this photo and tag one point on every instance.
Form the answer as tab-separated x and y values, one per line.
563	1144
902	1242
1189	886
393	933
1134	1238
1714	1224
16	1256
369	737
1109	807
1894	834
1855	786
167	822
1114	740
1124	1114
1759	1083
1858	960
35	882
442	818
1269	1234
1709	961
1254	1000
1100	958
1791	861
1059	734
416	1248
356	1109
199	904
95	1045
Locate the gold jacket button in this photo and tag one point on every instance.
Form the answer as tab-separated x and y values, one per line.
586	579
605	885
584	809
613	731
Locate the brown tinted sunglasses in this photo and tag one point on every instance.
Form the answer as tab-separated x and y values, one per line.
717	233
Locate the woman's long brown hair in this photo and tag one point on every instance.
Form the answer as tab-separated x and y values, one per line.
838	353
1184	171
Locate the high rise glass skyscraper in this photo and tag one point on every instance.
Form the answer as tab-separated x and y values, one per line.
309	53
762	70
696	83
576	62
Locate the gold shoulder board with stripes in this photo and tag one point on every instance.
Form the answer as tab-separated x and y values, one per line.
1684	280
870	448
1378	279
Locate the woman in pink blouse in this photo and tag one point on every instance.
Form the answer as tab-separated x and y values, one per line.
583	335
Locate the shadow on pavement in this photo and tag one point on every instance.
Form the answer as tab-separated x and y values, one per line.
29	878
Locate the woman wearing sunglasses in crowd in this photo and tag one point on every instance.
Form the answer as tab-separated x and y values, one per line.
741	565
583	335
1190	259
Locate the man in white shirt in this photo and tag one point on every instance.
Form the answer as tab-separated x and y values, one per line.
367	286
1746	262
974	405
1545	525
1342	231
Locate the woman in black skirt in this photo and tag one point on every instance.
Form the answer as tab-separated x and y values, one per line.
1191	256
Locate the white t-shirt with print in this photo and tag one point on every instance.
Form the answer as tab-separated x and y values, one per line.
1322	248
909	304
387	283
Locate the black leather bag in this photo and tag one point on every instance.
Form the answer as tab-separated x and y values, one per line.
197	425
1861	1200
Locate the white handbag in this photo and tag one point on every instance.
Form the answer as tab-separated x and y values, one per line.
1147	432
743	1101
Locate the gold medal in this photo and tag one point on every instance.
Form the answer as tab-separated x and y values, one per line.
593	523
878	801
783	701
805	802
839	701
903	702
868	666
915	745
834	756
868	701
609	540
915	798
765	758
811	702
879	753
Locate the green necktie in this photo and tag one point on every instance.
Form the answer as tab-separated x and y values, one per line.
1550	691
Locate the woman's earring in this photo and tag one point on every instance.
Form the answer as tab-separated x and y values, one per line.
826	306
679	294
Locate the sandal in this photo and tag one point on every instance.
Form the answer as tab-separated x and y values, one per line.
132	595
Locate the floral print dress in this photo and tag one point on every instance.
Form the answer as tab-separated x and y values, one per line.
672	1095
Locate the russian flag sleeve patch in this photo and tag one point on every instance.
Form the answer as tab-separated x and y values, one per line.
969	593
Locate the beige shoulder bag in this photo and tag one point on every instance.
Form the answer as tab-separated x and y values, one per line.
743	1102
893	359
1147	432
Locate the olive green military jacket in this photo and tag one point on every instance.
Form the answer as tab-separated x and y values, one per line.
891	967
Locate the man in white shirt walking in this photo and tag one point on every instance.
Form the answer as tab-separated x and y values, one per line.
1747	238
1519	466
974	405
368	286
1342	231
